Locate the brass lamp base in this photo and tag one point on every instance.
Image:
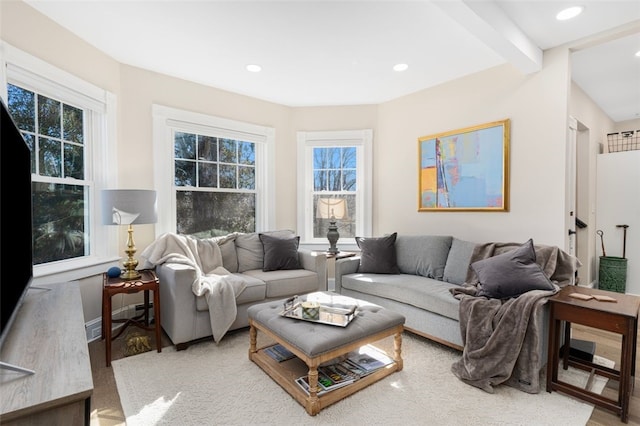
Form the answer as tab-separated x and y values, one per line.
130	275
130	264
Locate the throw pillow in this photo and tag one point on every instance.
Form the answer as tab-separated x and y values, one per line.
510	274
250	250
423	255
280	253
457	266
378	255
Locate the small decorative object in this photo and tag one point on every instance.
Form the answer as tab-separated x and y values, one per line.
114	272
310	310
332	209
465	170
136	343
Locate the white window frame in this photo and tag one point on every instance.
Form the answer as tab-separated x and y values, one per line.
307	141
25	70
167	120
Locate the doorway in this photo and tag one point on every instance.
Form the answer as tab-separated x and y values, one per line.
584	216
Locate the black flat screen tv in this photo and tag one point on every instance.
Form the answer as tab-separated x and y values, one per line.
16	246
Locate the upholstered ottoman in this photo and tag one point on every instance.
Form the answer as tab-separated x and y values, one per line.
315	343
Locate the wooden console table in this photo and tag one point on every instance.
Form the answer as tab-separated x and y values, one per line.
47	336
619	317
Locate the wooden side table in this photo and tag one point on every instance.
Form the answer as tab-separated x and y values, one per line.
619	317
112	286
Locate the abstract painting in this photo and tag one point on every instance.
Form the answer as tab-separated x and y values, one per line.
466	169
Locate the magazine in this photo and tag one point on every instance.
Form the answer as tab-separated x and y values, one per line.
303	382
336	375
369	358
279	352
348	368
325	383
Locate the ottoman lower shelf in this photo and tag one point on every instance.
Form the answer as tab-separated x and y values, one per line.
285	373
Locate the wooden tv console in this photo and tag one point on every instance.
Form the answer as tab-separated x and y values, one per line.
48	337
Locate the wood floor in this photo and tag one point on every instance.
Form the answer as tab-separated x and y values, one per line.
107	411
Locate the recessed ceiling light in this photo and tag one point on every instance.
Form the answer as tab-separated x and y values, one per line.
254	68
400	67
568	13
638	53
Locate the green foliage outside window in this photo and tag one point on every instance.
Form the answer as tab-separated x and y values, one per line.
215	184
57	151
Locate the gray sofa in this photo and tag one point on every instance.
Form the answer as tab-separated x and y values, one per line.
185	316
421	291
428	268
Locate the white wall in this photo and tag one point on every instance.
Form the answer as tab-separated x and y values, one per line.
627	125
537	107
619	204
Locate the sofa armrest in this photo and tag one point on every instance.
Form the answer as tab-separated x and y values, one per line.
344	266
315	262
176	284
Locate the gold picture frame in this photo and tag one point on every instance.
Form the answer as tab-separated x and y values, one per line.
465	169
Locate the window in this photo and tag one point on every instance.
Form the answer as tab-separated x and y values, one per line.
54	132
335	172
213	174
64	122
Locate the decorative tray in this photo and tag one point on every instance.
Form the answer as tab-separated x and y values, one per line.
331	314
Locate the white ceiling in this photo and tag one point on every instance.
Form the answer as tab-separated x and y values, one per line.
317	53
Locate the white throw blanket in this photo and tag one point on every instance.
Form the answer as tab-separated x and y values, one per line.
219	287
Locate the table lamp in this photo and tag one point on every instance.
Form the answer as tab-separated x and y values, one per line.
129	207
332	209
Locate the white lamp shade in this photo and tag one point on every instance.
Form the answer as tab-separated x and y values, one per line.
331	207
129	206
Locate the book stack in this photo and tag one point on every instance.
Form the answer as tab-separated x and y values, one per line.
279	352
354	366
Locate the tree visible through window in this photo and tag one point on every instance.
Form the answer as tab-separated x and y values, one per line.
215	182
334	187
54	132
335	182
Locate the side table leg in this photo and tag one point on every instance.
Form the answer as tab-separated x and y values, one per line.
566	345
625	372
107	328
156	318
146	307
553	355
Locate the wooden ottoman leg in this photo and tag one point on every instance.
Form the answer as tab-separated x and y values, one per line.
313	403
253	339
397	349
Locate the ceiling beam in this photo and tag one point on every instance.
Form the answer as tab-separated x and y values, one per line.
490	24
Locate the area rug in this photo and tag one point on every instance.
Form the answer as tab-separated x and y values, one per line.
210	384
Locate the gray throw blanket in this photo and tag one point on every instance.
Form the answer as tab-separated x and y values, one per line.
219	287
501	337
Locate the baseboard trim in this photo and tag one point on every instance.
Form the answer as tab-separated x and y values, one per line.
93	328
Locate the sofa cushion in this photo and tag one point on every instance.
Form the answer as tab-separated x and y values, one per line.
255	290
458	261
280	253
229	255
511	274
424	255
285	283
249	249
378	255
424	293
